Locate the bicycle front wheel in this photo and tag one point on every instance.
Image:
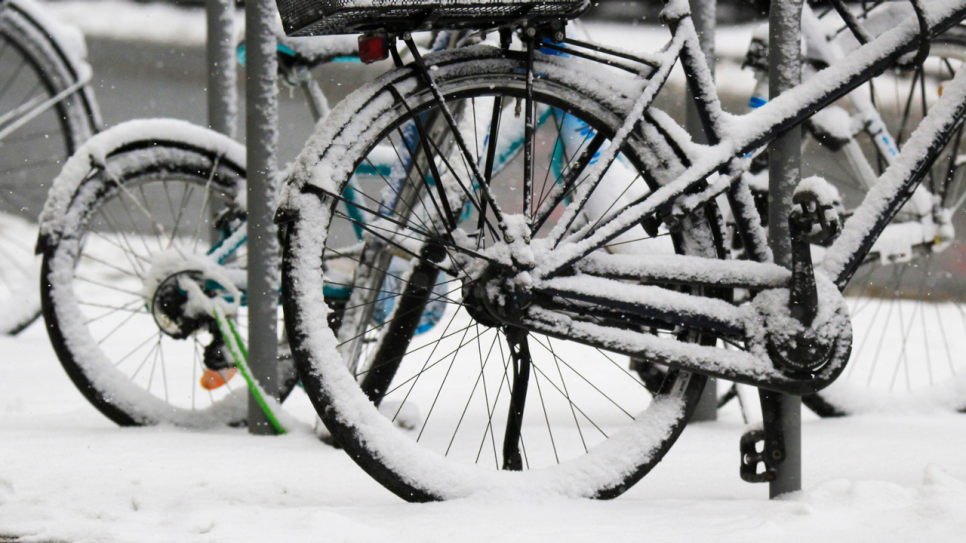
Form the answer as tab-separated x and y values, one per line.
34	144
477	406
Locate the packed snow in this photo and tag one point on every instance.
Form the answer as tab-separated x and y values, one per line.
68	474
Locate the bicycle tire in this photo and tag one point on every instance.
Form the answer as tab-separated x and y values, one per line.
390	455
31	156
134	206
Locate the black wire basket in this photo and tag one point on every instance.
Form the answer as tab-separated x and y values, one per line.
320	17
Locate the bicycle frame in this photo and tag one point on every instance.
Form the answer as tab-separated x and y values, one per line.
719	172
730	143
609	287
824	45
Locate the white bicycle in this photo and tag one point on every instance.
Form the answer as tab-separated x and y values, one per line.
47	110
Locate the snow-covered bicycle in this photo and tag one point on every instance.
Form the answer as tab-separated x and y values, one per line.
906	297
138	215
47	110
906	300
296	55
527	372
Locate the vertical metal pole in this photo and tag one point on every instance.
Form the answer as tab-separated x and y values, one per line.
785	160
222	92
220	48
703	13
261	120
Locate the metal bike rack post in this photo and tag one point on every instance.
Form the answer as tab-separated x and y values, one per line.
785	161
261	119
703	13
220	48
222	93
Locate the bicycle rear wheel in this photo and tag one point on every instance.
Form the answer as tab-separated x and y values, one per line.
589	427
145	204
32	71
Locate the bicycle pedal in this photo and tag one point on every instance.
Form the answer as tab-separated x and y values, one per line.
751	457
815	215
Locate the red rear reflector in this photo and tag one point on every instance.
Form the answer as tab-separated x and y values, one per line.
373	47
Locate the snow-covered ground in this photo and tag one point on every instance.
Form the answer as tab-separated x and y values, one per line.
68	474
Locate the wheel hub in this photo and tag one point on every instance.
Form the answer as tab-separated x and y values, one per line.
169	307
497	297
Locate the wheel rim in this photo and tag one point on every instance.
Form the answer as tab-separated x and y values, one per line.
133	241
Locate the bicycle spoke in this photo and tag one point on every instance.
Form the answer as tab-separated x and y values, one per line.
442	384
112	266
569	183
546	418
204	201
13	78
479	379
491	410
150	338
124	308
567	394
426	365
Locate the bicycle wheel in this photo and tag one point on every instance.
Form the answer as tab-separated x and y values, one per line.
589	428
32	151
907	299
137	209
